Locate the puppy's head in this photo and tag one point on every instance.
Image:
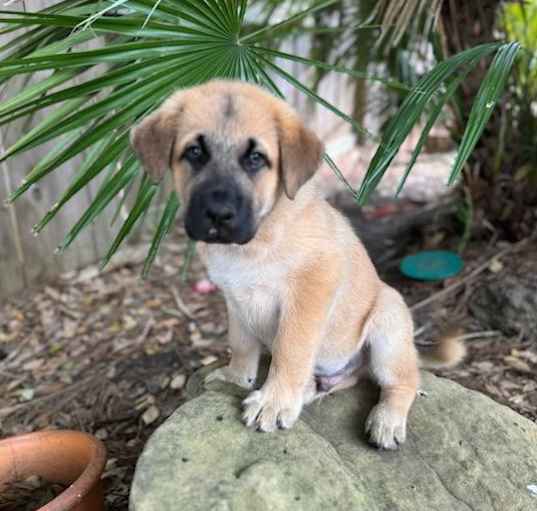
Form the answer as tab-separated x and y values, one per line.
233	150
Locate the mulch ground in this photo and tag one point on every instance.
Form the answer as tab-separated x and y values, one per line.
109	353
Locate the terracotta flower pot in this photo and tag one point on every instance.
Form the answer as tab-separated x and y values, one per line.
67	457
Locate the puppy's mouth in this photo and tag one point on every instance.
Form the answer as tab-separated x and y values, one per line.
219	235
220	215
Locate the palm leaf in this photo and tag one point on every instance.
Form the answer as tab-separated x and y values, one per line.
392	84
96	161
311	93
487	97
145	195
122	178
413	107
166	221
271	29
433	117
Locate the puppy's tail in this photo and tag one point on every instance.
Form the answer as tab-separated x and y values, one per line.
445	353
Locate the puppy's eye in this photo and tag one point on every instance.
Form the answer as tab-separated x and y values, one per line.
254	161
193	153
197	154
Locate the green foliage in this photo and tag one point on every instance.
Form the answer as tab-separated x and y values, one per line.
519	124
520	24
127	56
451	72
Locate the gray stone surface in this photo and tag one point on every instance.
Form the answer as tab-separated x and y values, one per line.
509	303
464	452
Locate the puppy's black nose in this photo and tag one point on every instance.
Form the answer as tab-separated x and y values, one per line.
220	214
220	209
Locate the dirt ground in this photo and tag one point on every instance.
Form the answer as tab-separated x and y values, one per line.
109	353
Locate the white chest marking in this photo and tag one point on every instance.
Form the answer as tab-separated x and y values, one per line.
252	289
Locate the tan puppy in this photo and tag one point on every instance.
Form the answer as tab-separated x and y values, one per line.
296	279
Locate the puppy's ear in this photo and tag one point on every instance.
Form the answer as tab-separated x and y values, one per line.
152	141
300	153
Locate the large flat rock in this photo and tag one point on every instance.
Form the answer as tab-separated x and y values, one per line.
464	452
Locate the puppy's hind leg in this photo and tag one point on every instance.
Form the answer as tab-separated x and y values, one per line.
393	364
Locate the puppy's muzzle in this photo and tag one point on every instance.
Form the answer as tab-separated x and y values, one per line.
220	209
219	213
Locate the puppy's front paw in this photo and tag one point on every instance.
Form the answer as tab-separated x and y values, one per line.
268	409
227	375
386	427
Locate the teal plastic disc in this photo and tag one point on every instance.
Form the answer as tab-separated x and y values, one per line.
431	265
